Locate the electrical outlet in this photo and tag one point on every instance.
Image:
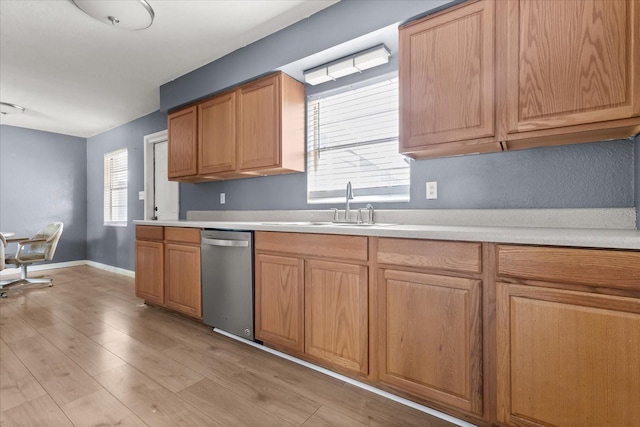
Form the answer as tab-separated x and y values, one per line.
432	190
222	199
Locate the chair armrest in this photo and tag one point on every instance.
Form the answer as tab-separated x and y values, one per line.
26	243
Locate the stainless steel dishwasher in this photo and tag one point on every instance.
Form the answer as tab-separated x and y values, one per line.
227	281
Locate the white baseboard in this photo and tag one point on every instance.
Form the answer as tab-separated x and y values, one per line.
110	268
55	265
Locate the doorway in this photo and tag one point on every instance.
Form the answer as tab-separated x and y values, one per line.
161	195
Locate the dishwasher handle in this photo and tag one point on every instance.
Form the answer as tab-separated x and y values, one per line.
227	243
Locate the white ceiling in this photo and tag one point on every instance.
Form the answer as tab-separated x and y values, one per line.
78	76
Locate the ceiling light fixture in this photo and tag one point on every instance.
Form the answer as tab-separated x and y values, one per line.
352	64
8	108
125	14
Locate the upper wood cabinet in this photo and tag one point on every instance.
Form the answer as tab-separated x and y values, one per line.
490	75
571	67
271	125
217	134
447	99
255	129
183	148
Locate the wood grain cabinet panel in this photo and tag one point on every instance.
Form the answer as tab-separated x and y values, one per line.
279	295
150	271
255	129
258	126
567	358
572	70
431	337
271	125
183	148
336	314
571	62
217	134
447	83
599	268
183	290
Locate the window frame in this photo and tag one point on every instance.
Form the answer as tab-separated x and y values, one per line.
396	194
109	188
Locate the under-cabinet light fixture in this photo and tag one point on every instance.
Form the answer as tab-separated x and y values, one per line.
124	14
352	64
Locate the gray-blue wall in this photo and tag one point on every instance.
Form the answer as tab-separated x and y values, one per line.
43	179
343	22
107	244
594	175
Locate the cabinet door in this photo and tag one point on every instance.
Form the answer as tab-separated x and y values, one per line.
431	337
183	148
183	286
217	134
259	124
336	314
567	358
447	78
571	62
279	310
150	271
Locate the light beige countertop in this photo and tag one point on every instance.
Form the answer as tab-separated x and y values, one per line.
576	237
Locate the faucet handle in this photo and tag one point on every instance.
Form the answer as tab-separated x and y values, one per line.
371	211
335	214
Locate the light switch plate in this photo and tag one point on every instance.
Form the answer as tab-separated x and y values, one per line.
140	195
222	199
432	190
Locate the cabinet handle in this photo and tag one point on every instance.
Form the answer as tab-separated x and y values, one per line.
228	243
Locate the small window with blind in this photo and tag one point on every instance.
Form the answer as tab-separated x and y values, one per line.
353	136
115	188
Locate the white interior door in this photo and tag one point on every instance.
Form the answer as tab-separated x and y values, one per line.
165	192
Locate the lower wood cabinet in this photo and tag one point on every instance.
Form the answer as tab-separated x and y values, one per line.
183	291
430	324
279	296
310	304
336	314
431	336
168	268
567	358
568	355
150	271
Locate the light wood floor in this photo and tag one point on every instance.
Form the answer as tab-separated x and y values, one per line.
86	352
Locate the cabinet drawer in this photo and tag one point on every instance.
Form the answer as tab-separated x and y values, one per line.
149	232
595	267
442	255
184	235
344	248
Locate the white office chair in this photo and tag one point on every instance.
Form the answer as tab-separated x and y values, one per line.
41	247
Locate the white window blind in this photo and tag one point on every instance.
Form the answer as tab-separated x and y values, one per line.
115	188
353	136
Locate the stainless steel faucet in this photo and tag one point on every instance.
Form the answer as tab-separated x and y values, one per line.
349	196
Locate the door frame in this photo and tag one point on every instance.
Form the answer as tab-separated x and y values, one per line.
149	172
